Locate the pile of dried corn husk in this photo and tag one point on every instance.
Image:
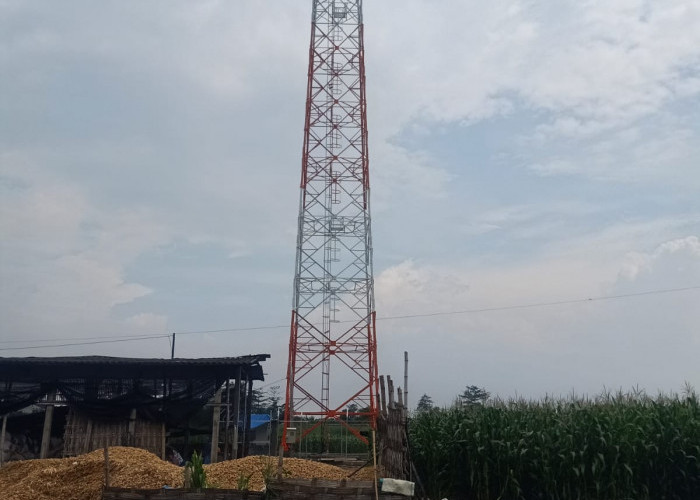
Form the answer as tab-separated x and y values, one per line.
82	477
228	474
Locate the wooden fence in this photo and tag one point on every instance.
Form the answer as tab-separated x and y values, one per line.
321	489
391	432
83	434
180	494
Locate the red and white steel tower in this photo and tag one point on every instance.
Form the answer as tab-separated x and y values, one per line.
333	318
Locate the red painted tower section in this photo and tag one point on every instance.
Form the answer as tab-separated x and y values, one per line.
333	336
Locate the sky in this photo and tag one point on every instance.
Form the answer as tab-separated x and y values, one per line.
522	153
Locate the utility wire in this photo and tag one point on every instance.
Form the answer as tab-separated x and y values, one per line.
273	382
241	329
84	343
99	337
543	304
128	338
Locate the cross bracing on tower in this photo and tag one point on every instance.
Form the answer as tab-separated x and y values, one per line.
332	335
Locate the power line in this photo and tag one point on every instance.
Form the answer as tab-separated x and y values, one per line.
83	343
542	304
99	337
241	329
129	338
468	311
273	382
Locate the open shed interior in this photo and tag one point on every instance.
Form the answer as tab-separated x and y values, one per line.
78	404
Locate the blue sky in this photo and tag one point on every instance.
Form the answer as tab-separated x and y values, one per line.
521	152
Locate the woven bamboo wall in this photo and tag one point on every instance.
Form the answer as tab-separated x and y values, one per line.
83	434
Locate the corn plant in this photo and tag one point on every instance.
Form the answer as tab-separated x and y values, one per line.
194	470
621	446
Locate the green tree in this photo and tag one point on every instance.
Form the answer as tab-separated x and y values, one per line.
273	398
259	401
473	395
425	403
266	401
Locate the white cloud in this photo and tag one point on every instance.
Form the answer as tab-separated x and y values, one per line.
676	262
63	259
148	323
593	62
128	128
551	348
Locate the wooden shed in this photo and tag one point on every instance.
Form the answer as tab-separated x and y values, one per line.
132	401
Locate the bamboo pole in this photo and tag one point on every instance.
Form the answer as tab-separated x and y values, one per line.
382	389
390	390
374	459
405	379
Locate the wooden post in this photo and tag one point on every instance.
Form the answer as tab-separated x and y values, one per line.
48	420
88	436
2	439
228	419
216	419
132	427
374	460
106	454
405	379
248	411
280	462
162	441
236	412
390	390
382	389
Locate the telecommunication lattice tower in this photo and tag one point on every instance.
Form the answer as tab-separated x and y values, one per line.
333	318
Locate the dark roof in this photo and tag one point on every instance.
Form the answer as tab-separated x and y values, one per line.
47	369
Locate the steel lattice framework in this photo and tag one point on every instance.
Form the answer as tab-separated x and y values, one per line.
333	318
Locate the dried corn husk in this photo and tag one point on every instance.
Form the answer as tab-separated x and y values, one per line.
82	477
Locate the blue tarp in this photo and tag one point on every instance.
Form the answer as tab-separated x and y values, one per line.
258	419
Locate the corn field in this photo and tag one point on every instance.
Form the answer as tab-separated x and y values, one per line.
613	447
